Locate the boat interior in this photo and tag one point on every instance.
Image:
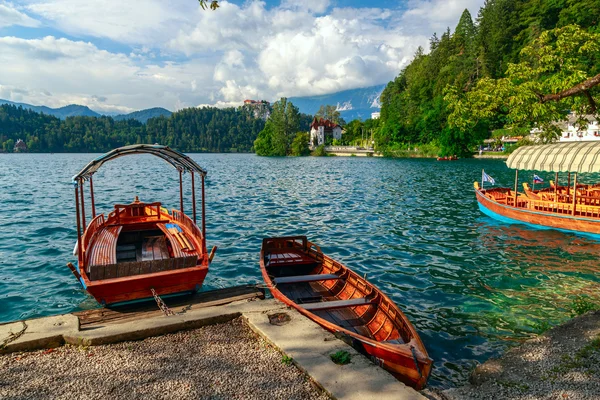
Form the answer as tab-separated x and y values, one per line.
138	238
331	291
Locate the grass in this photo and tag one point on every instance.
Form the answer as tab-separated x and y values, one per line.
286	360
341	357
581	305
583	358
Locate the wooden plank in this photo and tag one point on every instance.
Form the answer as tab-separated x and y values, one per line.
305	278
327	305
102	316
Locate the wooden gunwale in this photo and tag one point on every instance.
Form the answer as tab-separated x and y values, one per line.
398	359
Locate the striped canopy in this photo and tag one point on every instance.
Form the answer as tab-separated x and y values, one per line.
557	157
177	159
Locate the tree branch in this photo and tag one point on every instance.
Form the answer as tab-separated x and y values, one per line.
575	90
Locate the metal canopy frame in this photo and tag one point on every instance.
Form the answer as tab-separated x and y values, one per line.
178	160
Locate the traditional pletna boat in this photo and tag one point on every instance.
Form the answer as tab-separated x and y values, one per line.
573	208
300	275
140	249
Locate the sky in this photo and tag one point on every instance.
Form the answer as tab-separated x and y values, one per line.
118	56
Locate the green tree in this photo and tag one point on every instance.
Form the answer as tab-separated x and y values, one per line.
558	74
275	139
330	113
300	144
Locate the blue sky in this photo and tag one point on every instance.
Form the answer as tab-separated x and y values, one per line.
120	56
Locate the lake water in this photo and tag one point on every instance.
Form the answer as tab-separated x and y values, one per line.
471	286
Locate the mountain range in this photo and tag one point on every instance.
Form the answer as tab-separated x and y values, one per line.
75	110
352	104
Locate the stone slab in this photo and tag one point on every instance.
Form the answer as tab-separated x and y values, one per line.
39	333
310	347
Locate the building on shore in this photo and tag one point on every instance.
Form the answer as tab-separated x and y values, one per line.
571	132
375	115
322	129
20	146
260	108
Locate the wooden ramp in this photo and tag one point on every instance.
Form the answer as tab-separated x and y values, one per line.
90	319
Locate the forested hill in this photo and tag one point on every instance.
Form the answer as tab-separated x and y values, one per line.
189	130
413	107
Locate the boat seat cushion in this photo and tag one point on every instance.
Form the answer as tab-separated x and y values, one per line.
305	278
328	305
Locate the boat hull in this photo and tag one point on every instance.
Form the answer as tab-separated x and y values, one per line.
537	219
110	292
407	362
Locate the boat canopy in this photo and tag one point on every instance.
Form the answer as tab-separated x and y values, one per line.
177	159
557	157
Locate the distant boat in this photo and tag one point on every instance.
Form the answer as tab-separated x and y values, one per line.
139	249
335	297
573	208
447	158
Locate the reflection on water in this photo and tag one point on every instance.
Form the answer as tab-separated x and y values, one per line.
471	286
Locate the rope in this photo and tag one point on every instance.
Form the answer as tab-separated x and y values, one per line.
13	336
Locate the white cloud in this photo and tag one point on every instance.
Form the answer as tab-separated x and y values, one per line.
132	21
78	72
429	16
302	47
9	15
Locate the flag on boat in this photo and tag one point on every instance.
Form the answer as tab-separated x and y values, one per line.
486	178
537	179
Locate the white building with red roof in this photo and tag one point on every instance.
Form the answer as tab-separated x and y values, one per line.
321	129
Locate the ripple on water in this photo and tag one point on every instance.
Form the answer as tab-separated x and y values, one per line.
470	285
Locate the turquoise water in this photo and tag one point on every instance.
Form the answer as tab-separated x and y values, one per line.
470	285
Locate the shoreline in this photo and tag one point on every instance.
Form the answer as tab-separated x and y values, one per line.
561	363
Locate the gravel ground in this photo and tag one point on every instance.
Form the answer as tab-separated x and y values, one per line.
225	361
562	364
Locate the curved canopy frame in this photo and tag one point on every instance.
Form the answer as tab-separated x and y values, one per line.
177	159
557	157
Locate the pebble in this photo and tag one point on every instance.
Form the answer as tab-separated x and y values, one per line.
224	361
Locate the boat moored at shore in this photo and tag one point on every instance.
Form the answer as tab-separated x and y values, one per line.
300	275
573	208
139	250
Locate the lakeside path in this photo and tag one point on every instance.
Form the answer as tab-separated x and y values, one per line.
182	356
561	364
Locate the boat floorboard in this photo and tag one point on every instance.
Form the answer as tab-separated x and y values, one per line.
90	319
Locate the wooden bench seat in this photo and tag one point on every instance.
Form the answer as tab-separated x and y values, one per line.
103	250
305	278
288	258
329	305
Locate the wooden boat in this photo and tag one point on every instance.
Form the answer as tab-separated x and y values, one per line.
573	208
140	247
447	158
301	276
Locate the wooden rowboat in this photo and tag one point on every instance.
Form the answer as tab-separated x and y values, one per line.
301	276
140	249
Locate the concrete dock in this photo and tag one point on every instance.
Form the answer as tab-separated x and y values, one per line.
304	341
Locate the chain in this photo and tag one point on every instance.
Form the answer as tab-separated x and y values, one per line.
161	304
13	336
166	310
